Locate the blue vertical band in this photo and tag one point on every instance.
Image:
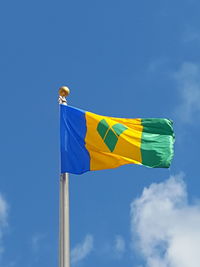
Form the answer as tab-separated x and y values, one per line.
74	155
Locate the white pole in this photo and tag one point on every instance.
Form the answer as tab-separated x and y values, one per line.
64	231
64	221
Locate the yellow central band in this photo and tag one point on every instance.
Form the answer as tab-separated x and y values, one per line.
127	149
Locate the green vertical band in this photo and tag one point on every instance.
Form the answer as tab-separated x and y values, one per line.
157	143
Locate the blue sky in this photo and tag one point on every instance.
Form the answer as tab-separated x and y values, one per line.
119	58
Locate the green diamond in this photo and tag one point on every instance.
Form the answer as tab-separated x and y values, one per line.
102	128
119	128
111	140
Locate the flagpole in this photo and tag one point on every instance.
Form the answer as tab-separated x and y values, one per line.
64	230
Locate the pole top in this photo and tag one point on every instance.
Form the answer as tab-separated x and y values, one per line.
64	91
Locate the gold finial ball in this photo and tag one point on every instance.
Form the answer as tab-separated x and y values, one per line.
64	91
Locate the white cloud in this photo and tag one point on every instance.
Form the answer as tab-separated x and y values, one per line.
188	80
166	226
82	250
119	246
3	220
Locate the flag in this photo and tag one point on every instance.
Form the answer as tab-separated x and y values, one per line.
94	142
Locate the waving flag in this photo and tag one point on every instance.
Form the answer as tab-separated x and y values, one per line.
94	142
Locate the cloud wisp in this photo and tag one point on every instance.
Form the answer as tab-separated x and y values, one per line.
82	250
119	246
166	225
191	35
36	241
3	220
188	81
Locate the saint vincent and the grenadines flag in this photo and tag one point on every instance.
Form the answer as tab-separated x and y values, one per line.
93	142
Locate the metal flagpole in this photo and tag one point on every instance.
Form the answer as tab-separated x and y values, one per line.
64	231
